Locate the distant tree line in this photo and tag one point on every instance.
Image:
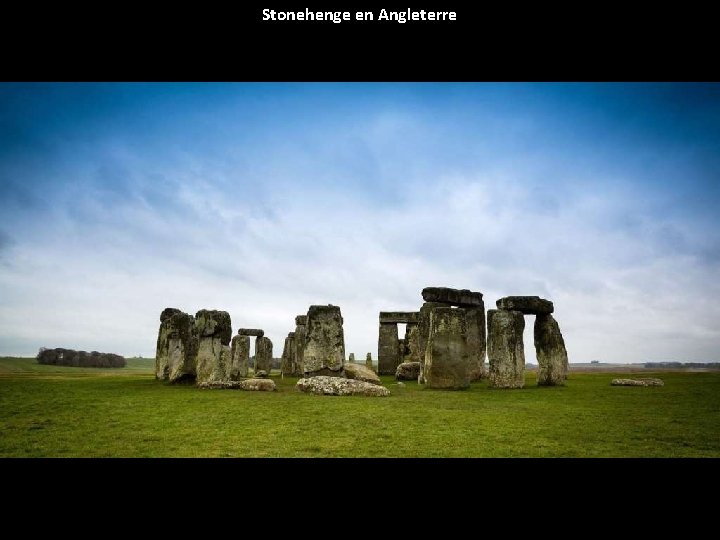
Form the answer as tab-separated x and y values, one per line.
682	364
69	357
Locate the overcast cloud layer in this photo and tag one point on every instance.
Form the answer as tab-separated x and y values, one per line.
121	200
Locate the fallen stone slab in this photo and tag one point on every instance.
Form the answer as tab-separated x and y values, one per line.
359	372
408	371
527	305
645	381
260	385
455	297
340	386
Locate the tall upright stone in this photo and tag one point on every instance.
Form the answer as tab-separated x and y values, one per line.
401	350
240	357
506	351
388	354
412	343
287	366
351	359
325	342
177	344
214	331
263	354
423	333
550	351
368	361
300	338
475	318
447	362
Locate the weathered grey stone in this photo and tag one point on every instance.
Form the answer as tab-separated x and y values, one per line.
287	366
214	357
369	362
401	350
396	317
300	338
447	361
214	323
423	333
454	297
412	343
325	342
251	332
351	358
408	371
529	305
261	374
643	381
240	355
550	351
361	373
475	321
388	356
506	351
262	385
263	354
177	345
301	319
340	386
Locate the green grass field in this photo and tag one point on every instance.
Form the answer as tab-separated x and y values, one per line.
62	411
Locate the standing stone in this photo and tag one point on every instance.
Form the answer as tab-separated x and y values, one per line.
401	350
214	331
325	342
475	319
177	345
412	343
388	355
447	360
300	338
287	366
423	333
550	351
263	354
240	357
368	361
505	348
352	358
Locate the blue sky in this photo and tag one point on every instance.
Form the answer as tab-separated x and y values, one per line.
261	199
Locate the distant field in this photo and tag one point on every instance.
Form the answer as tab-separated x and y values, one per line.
63	411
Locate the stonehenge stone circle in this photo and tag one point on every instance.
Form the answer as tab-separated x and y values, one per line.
550	351
506	351
324	352
446	356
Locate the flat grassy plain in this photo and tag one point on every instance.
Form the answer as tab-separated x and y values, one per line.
84	412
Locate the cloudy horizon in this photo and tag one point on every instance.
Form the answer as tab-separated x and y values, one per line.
261	199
